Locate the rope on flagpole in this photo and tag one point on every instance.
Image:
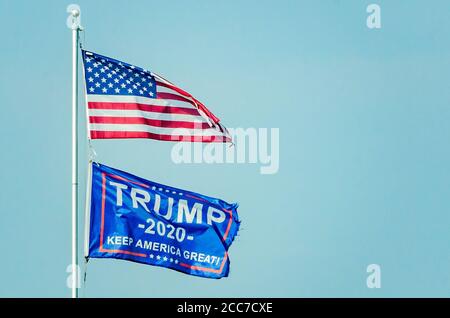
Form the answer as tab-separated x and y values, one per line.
92	152
85	267
82	41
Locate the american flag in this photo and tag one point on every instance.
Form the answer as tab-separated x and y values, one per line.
126	101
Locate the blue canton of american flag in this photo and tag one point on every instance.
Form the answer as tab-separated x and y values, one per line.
126	101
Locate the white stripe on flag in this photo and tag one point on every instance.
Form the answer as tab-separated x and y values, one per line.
145	114
155	130
137	100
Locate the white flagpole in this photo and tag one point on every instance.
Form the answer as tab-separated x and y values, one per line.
74	161
74	23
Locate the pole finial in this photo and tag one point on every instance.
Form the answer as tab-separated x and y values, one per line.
74	19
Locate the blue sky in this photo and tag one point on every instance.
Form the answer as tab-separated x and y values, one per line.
363	117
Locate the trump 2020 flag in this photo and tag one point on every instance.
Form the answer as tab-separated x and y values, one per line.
146	222
126	101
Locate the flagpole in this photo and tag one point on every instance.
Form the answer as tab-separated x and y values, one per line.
74	24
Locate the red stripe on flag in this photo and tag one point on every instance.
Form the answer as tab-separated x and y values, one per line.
147	121
194	101
96	134
173	87
165	95
143	107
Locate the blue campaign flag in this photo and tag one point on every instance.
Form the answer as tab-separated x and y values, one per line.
143	221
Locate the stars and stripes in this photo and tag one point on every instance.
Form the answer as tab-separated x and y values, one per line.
126	101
